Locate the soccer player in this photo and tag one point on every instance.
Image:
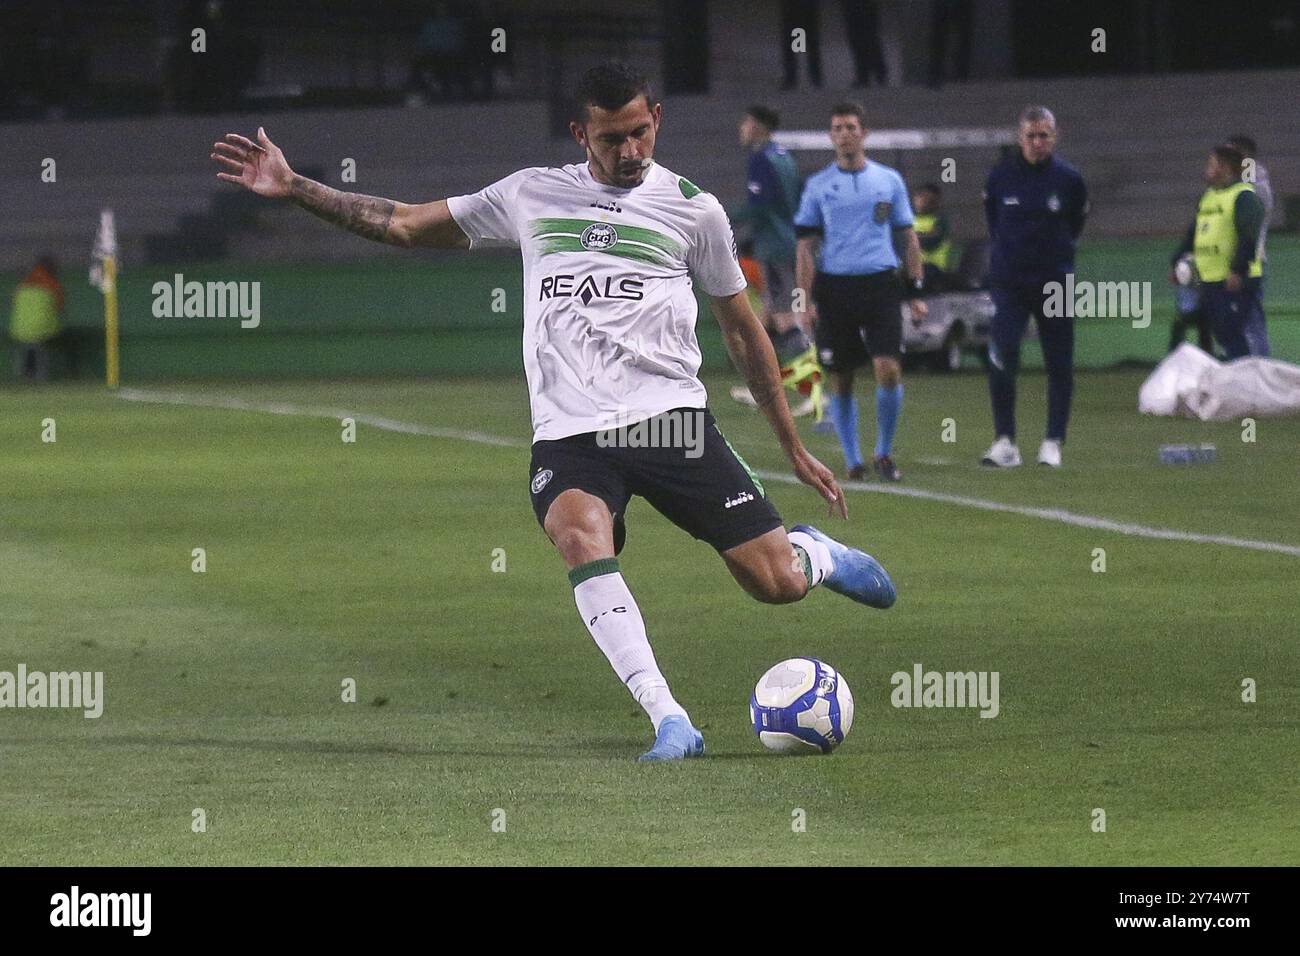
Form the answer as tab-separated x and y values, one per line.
851	209
800	372
1224	237
612	249
1036	204
772	184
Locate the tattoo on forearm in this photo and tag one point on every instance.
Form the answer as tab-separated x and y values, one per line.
367	216
763	386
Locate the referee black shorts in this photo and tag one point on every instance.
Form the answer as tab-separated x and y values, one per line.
698	483
859	317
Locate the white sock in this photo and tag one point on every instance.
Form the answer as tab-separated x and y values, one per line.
611	615
819	563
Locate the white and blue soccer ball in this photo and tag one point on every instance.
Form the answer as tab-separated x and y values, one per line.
802	705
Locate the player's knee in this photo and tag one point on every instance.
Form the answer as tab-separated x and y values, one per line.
780	585
577	544
579	534
888	373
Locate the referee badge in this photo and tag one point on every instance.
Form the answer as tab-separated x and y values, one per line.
882	212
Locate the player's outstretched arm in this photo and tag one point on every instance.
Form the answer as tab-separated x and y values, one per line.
752	353
262	168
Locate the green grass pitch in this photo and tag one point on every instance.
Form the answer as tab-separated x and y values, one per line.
481	691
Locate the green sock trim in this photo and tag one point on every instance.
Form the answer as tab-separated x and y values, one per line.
806	561
593	569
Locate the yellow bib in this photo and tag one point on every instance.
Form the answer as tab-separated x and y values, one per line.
1216	234
36	315
941	254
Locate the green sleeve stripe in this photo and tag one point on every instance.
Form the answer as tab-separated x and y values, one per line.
593	569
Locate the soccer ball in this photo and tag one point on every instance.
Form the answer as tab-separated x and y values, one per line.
802	705
1185	270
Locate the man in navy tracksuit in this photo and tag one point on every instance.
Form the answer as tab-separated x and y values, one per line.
1036	205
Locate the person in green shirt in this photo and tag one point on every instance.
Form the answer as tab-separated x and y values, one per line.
1224	239
772	184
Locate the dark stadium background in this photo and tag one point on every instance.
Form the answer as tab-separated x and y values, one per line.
111	92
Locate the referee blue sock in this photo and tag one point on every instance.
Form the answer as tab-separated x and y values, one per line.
844	412
889	401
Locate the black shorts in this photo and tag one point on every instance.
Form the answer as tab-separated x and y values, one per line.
689	474
858	318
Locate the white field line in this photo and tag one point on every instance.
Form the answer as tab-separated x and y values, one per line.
482	438
314	411
1055	514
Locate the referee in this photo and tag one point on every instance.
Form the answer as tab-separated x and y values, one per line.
852	209
1036	205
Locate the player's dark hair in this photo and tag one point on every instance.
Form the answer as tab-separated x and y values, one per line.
1245	144
1231	157
932	188
765	115
610	85
49	263
849	108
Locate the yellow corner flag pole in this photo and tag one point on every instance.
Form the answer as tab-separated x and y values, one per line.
103	275
111	367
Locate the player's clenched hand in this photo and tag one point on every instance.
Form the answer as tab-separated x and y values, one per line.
813	473
258	166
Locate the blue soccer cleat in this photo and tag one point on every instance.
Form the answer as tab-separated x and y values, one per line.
856	575
676	740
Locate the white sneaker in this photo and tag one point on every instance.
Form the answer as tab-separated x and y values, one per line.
742	394
1049	453
1002	454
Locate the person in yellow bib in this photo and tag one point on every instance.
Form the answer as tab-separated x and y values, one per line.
932	230
1223	239
34	321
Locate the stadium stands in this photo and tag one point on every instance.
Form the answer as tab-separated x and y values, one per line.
1142	159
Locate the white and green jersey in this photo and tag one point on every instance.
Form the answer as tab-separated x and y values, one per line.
609	309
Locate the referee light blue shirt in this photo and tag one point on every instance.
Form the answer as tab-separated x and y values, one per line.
856	214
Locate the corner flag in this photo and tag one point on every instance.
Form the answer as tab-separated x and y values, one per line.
103	276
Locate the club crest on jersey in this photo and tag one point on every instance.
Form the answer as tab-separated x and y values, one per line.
541	479
881	213
599	235
1054	203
